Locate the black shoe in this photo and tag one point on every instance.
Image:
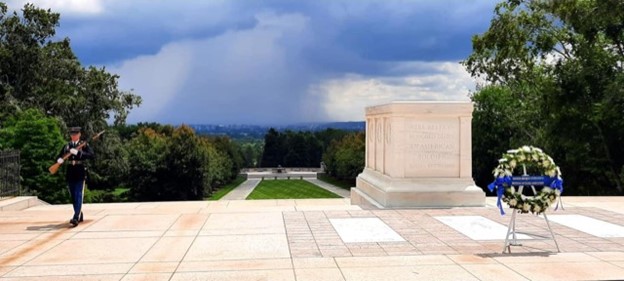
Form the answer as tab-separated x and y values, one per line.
74	222
81	219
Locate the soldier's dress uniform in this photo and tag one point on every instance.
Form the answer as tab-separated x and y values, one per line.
76	174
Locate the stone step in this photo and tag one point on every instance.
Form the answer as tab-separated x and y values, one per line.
20	203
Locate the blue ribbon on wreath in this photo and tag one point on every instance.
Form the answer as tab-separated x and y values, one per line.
499	184
557	183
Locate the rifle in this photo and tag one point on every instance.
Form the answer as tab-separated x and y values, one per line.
54	168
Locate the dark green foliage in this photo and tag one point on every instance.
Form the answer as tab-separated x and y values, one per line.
146	162
38	72
251	151
297	153
183	177
107	171
39	140
559	65
232	151
344	158
274	149
495	129
181	167
297	149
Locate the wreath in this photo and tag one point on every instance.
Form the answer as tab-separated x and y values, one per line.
535	159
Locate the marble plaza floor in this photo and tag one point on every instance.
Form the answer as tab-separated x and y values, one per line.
323	239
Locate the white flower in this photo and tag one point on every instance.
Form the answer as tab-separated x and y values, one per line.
526	149
538	150
513	202
512	151
525	207
535	157
508	173
502	160
558	192
521	157
546	189
550	173
537	208
558	171
512	164
545	163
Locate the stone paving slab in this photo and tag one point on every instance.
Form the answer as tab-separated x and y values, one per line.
295	240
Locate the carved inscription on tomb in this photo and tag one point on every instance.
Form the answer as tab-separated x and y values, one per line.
431	148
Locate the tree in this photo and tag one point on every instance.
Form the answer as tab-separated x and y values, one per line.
38	72
296	155
562	60
219	166
232	152
110	166
184	162
274	149
495	129
252	152
314	150
146	165
39	140
344	158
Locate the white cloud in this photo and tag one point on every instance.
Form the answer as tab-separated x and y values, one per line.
345	98
75	7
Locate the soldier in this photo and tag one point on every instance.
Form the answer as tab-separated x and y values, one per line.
76	170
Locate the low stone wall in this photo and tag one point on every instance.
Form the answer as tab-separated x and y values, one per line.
280	170
276	176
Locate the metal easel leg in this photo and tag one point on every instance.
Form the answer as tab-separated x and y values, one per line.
551	232
510	230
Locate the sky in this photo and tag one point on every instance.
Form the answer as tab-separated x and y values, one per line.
274	61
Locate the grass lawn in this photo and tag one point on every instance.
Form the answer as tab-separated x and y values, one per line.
289	189
120	190
120	194
222	191
344	184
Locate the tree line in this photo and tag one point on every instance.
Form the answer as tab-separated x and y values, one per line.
341	151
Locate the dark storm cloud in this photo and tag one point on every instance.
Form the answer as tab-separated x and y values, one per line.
275	61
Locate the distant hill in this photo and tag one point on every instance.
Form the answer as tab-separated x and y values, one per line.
258	132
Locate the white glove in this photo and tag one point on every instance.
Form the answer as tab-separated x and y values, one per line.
60	161
73	151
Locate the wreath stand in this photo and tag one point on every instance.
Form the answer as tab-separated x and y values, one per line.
511	230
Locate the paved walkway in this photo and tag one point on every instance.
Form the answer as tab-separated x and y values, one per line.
242	191
340	191
297	240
